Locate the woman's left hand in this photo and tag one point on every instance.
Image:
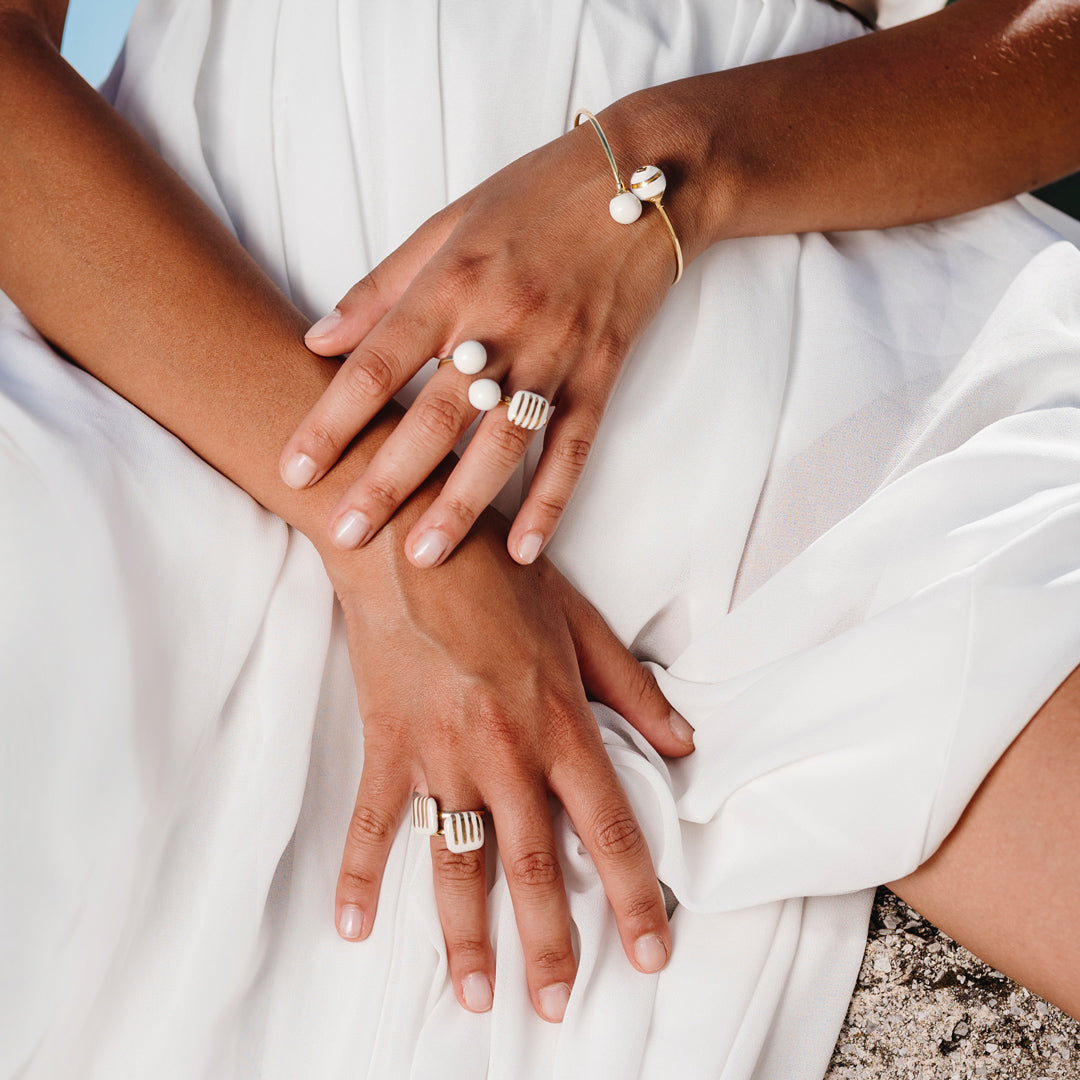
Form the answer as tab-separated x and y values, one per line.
530	264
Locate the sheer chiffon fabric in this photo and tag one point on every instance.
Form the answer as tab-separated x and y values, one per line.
836	501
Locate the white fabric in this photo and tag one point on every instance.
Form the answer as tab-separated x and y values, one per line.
836	500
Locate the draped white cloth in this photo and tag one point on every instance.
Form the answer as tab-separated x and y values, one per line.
836	500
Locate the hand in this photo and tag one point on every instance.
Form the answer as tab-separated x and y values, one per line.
536	270
486	708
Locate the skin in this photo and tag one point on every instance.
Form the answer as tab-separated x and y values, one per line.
119	264
863	134
770	148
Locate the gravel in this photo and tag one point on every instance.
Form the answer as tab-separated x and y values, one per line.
927	1009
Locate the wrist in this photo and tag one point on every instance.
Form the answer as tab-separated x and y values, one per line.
666	126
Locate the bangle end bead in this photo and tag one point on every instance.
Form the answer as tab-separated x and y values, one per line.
648	182
625	208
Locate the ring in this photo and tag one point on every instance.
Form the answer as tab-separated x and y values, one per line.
526	408
469	358
463	830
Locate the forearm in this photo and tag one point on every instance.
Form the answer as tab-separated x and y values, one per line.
120	265
958	110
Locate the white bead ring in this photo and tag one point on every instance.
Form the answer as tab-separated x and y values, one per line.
526	409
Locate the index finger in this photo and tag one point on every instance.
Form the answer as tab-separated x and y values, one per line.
399	345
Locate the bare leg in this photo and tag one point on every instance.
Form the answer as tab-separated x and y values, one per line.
1006	882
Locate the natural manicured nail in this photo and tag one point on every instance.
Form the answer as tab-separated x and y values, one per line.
326	325
430	548
680	728
350	922
553	1001
529	546
351	530
476	990
650	953
299	471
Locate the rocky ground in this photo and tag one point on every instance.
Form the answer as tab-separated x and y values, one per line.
926	1009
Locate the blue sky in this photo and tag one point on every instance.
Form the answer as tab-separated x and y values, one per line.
93	35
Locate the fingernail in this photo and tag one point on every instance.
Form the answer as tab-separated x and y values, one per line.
530	546
476	990
430	548
680	728
650	953
299	471
553	1001
350	922
325	325
351	530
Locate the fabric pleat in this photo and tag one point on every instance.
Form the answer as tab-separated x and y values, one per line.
837	475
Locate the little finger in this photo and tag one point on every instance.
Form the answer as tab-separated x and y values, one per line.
379	801
567	443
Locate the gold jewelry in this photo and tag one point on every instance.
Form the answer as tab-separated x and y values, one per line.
526	409
646	185
462	829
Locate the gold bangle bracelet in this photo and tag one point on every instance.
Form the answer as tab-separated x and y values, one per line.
648	184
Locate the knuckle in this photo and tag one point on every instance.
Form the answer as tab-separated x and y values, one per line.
617	833
355	883
500	731
467	949
551	506
371	828
531	295
556	958
642	685
536	869
321	437
459	867
466	272
644	909
506	444
454	508
440	420
381	492
570	453
371	379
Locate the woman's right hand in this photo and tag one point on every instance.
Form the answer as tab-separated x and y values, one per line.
471	681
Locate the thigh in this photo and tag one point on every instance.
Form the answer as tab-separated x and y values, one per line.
1005	882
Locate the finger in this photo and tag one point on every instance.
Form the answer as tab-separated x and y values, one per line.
374	295
380	799
461	896
612	675
388	357
495	452
590	790
426	433
567	443
534	877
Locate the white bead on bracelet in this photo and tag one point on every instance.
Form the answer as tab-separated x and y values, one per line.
648	184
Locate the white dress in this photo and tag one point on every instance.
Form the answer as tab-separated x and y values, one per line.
836	500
